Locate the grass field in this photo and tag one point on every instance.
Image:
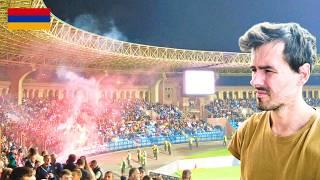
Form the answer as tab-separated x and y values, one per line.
223	173
213	153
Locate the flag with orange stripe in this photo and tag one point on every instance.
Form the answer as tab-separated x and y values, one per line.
29	18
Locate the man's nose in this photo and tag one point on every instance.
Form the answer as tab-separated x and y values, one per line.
257	79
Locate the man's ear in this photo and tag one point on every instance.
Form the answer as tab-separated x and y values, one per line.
304	73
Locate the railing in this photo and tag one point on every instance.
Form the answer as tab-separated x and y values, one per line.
177	139
123	144
164	176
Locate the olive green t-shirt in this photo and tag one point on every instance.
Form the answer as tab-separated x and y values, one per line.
265	156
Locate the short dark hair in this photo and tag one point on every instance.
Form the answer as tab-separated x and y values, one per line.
186	174
32	151
65	172
77	171
141	169
109	172
19	172
300	44
132	170
147	177
94	162
72	158
81	162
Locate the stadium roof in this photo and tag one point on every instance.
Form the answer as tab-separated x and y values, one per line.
66	45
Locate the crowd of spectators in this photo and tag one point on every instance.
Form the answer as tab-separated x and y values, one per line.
313	102
38	122
17	164
112	120
238	110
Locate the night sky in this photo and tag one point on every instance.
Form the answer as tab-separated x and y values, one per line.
213	25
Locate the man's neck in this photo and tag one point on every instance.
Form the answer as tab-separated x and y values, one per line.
289	119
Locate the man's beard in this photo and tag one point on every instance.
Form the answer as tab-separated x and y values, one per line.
271	107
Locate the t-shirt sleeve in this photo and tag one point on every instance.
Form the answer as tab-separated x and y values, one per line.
237	140
234	145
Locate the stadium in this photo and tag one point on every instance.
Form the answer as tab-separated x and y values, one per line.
69	91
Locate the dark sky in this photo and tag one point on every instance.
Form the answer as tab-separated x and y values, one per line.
188	24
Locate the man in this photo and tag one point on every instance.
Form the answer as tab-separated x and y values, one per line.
65	174
45	171
70	163
12	157
165	144
30	160
56	165
96	169
155	151
190	143
22	173
281	142
134	174
225	140
169	147
76	174
85	174
144	159
186	174
142	172
196	139
108	175
129	159
123	167
139	154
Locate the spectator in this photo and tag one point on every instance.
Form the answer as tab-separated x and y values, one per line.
45	171
76	174
142	172
20	158
12	157
85	173
30	161
186	174
6	173
134	174
87	167
65	174
70	163
96	169
22	173
108	175
57	167
147	177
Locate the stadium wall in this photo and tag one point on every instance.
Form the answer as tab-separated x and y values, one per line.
4	88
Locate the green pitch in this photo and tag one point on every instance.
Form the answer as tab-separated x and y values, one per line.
212	153
225	173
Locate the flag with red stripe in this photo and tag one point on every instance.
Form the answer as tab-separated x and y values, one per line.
29	18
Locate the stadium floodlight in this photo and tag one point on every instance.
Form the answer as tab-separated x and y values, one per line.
198	82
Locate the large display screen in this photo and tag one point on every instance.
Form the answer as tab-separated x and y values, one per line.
198	82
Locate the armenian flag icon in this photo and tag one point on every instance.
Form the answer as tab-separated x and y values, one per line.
28	18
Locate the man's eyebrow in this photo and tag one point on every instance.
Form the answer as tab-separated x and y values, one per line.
262	67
